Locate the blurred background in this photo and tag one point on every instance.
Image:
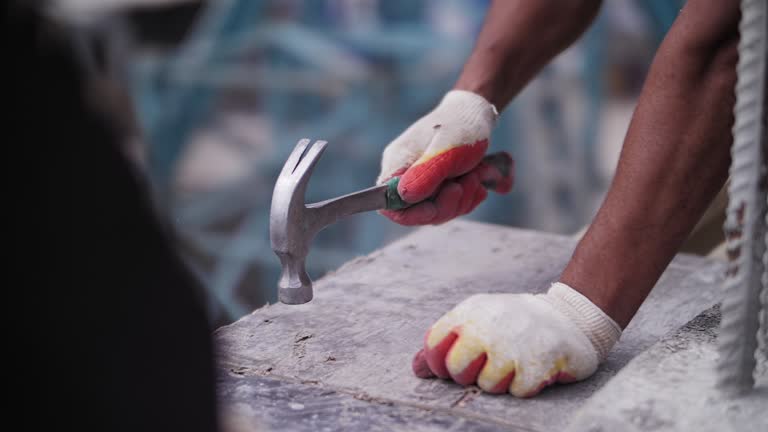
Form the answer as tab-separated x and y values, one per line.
222	90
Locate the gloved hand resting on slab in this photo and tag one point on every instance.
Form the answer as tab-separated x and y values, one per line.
518	343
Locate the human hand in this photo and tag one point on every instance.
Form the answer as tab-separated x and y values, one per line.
440	156
518	343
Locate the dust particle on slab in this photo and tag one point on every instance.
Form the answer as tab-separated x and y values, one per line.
240	370
299	343
466	397
302	336
363	396
296	406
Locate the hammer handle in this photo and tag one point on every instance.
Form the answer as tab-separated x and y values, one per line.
500	160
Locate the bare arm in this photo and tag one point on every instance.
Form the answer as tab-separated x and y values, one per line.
674	160
518	38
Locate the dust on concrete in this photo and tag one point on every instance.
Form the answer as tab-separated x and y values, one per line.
250	371
363	396
703	328
466	397
646	417
300	343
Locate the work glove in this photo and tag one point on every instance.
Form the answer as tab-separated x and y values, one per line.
518	343
439	157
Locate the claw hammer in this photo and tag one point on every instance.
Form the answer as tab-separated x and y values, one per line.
294	224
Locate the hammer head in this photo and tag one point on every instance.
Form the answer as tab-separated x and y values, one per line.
291	228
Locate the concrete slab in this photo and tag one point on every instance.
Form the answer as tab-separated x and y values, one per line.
671	387
358	335
276	404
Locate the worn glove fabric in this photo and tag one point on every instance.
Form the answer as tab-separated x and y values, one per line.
441	155
518	343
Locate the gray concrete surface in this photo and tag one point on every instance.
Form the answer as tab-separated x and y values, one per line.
352	345
672	387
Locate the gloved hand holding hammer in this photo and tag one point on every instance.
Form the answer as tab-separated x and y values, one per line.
440	157
674	160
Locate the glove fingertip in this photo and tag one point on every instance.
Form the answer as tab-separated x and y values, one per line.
420	366
504	186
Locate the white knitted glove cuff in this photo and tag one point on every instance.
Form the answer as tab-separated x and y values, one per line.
599	328
468	107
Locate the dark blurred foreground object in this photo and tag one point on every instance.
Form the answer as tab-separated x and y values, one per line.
165	25
113	325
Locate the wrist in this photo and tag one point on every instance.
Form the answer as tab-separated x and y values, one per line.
470	107
494	73
601	330
483	87
598	269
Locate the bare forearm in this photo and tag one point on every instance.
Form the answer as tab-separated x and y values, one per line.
674	160
518	38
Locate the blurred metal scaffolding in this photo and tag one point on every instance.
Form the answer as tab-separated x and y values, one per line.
354	73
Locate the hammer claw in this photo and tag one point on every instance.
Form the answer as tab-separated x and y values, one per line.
295	157
308	160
